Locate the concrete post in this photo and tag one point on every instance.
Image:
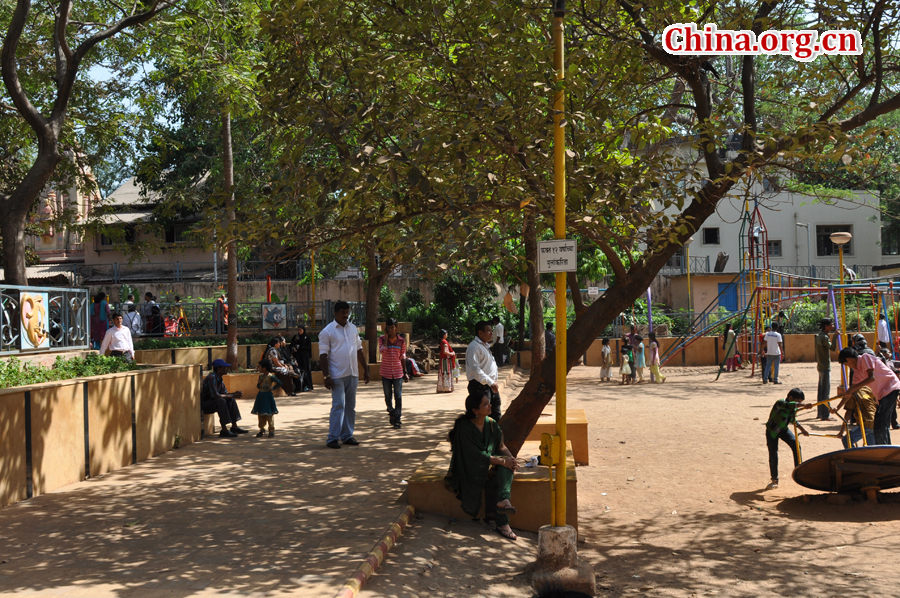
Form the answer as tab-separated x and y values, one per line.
558	563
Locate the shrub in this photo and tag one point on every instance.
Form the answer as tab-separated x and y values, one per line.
14	372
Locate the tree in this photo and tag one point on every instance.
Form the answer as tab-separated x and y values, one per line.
211	49
66	33
444	106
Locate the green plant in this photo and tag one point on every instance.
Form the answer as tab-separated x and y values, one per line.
387	305
14	372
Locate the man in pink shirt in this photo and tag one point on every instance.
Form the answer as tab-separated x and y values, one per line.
871	372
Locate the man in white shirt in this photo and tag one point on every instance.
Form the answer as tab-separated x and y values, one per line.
341	357
118	340
884	333
132	321
774	350
481	368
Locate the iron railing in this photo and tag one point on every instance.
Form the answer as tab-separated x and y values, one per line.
43	318
678	265
201	318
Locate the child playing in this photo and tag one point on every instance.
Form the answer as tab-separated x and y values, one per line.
606	361
264	406
639	357
655	375
625	369
783	414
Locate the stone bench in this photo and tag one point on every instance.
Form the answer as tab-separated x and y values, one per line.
530	490
576	432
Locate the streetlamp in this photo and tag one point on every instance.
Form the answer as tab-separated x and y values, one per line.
687	259
808	254
841	239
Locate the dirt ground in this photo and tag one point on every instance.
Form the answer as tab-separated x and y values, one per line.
674	504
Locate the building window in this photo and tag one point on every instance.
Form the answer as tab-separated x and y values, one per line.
710	236
890	242
177	233
774	248
824	246
128	238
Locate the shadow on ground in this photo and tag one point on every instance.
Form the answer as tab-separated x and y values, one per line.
277	516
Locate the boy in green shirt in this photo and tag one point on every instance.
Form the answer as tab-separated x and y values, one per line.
783	414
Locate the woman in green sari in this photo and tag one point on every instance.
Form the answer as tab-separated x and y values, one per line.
481	462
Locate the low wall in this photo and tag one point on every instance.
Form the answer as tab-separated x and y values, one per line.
58	433
248	355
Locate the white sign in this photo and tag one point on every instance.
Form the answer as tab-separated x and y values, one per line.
593	291
557	256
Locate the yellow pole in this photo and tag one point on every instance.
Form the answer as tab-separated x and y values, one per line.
559	168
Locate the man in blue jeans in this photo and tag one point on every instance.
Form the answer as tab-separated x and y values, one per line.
774	350
341	356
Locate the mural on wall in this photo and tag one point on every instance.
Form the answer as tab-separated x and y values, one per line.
273	316
33	310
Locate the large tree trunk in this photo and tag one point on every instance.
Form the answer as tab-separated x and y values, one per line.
375	278
535	300
231	355
526	408
14	209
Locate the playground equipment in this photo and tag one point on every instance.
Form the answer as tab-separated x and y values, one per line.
865	469
764	292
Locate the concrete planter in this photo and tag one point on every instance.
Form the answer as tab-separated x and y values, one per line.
59	433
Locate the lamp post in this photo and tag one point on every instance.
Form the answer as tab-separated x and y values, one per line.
841	239
687	259
808	254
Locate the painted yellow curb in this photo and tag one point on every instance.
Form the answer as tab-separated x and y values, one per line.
365	570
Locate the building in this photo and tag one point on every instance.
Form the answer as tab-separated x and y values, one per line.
792	233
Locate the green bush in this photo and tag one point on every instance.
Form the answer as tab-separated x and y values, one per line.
387	305
14	372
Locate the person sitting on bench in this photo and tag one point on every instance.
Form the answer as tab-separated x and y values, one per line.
215	398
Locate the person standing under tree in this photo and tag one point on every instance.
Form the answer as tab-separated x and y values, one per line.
824	347
481	368
301	349
342	356
549	337
606	362
392	347
498	341
449	370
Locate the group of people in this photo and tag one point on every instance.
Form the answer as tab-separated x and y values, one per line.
869	401
140	319
633	359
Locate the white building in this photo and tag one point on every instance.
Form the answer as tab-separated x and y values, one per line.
797	230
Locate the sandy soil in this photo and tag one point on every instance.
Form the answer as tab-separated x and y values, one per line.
673	504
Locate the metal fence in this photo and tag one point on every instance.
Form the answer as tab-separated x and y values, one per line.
678	265
43	318
823	272
200	318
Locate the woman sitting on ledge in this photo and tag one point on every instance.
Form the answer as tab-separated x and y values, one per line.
480	461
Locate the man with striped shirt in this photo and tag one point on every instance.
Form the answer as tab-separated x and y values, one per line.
392	347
